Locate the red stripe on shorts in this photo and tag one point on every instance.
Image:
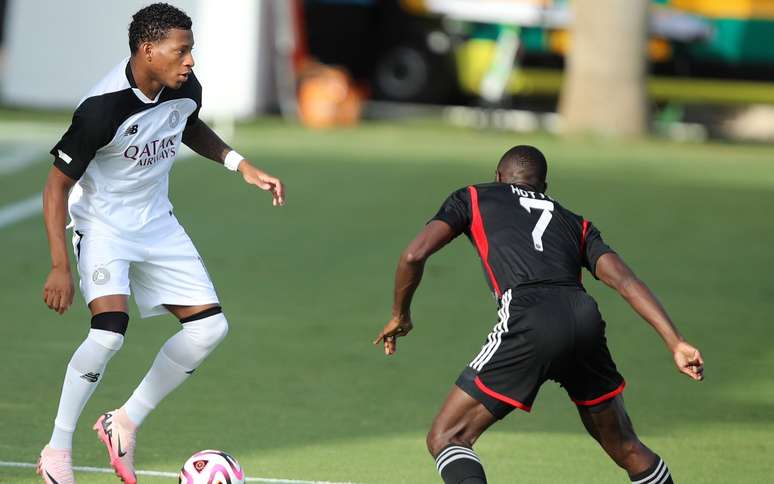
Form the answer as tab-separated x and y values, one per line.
603	398
500	396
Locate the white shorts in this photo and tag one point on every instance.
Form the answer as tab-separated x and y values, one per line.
163	269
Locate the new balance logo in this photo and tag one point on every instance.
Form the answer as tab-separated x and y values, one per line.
90	377
131	130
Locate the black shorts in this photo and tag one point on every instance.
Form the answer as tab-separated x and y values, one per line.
543	333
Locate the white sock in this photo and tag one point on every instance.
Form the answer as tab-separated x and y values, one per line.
175	362
84	372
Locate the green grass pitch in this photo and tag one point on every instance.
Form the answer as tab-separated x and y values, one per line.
297	391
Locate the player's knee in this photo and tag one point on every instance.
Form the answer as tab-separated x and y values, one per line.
436	441
438	438
217	331
207	328
625	450
108	329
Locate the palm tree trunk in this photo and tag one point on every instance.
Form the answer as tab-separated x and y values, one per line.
604	88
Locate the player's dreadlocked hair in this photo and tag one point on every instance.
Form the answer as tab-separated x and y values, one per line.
153	22
523	162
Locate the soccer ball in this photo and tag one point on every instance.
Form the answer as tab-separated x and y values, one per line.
211	467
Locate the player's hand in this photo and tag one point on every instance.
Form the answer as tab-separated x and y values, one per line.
395	328
689	361
58	290
264	181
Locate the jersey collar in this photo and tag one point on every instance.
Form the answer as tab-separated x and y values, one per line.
136	90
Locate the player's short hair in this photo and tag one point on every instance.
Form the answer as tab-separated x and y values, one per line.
153	23
525	162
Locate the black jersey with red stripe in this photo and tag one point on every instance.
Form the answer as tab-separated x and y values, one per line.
523	237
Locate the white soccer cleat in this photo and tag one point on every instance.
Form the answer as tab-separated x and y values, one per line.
55	466
118	433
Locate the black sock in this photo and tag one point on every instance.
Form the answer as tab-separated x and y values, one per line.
658	473
460	465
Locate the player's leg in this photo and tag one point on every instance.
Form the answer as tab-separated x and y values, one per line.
84	372
103	266
203	327
174	280
610	425
458	425
594	384
506	374
170	278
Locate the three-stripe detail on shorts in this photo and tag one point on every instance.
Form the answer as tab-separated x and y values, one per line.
658	476
495	337
452	453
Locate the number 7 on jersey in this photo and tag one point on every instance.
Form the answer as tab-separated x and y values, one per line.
547	207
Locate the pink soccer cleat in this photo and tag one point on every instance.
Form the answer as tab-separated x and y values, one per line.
55	466
117	432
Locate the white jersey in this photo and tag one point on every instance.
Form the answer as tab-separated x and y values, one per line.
120	147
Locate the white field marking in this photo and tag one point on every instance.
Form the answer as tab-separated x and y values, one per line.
106	470
23	209
20	157
29	131
26	143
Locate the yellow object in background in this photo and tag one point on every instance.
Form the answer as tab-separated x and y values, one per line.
659	50
474	58
735	9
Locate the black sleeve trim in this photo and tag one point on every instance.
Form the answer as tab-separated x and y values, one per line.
64	167
443	218
455	211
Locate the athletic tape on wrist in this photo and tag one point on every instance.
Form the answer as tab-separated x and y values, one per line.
232	160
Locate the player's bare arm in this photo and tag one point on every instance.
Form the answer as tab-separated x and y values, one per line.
408	276
614	272
204	141
58	290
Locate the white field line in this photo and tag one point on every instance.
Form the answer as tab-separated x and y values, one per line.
26	143
21	157
43	133
23	209
106	470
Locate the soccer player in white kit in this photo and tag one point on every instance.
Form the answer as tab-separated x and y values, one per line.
114	162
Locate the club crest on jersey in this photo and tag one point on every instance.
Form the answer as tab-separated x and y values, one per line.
131	130
152	151
100	276
174	118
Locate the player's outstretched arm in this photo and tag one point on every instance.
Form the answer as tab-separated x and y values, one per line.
58	290
614	272
408	275
205	142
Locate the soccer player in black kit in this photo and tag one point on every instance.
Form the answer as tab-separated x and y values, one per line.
532	250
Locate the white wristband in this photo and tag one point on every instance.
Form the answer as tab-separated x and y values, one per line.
232	160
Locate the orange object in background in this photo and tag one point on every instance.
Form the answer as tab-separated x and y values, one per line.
327	97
